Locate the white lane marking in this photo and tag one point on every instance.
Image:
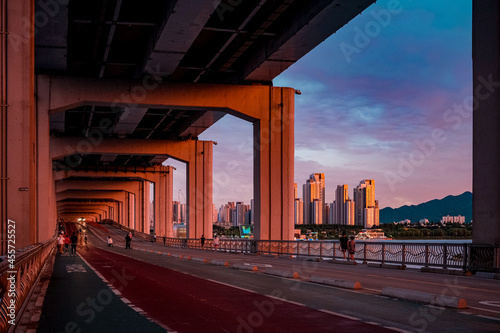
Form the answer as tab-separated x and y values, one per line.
258	265
230	285
491	303
483	309
397	329
492	318
254	292
340	314
128	302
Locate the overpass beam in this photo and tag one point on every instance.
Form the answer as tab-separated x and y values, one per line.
486	121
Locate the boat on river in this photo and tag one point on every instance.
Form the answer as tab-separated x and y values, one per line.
371	234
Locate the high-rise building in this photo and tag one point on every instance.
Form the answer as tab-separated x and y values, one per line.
316	211
226	214
298	211
341	197
366	209
314	189
240	211
252	211
326	213
214	214
332	213
176	209
349	209
295	192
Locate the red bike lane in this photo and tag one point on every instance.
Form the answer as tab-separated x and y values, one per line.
190	304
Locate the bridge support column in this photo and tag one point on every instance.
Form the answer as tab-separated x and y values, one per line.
486	121
199	189
18	160
273	167
163	203
145	216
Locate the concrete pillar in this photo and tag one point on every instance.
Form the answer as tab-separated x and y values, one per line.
486	121
199	187
163	203
19	158
145	206
274	167
47	207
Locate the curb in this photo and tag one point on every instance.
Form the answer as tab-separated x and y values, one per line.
278	272
219	262
488	275
342	262
445	271
335	283
393	266
245	267
427	298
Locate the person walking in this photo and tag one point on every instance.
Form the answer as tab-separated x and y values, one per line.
164	239
154	238
110	241
343	244
74	242
60	243
67	241
202	241
216	242
128	239
351	246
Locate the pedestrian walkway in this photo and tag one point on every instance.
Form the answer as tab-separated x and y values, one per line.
78	300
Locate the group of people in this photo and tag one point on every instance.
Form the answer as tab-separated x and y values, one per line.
348	245
64	241
215	242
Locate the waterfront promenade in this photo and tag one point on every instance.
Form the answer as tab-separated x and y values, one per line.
187	290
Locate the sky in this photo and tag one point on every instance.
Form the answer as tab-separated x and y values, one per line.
387	97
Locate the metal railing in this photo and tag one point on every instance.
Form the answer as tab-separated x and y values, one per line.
16	281
464	256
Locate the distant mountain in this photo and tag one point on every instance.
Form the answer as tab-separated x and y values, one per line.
433	210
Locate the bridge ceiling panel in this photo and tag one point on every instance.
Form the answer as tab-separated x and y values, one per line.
206	41
185	40
92	161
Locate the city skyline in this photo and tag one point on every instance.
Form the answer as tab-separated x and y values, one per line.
391	104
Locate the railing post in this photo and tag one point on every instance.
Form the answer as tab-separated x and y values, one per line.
321	249
383	252
465	256
308	248
496	255
445	255
403	254
365	251
426	255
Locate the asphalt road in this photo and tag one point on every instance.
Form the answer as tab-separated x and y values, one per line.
365	305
